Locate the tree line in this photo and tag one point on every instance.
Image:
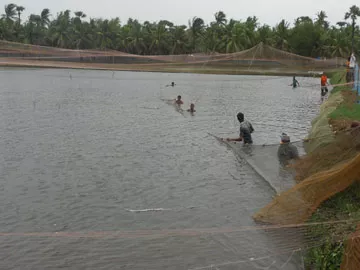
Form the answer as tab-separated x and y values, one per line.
307	37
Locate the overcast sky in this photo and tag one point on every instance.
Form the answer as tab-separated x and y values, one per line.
179	12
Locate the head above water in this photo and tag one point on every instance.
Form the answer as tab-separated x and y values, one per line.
240	117
172	83
179	97
285	138
192	106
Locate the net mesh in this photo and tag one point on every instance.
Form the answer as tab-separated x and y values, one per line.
320	180
264	56
351	259
320	125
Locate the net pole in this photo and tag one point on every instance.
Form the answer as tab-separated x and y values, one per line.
355	76
357	83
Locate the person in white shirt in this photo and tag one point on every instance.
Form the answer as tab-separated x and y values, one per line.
352	64
352	61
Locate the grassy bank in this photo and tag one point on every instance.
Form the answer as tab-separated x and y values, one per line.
336	114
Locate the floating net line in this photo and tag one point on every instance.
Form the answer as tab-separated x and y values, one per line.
288	244
260	56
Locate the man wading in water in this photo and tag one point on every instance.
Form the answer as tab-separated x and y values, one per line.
324	84
192	108
245	131
287	151
178	101
295	83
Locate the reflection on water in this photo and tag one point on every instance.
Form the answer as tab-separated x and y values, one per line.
86	157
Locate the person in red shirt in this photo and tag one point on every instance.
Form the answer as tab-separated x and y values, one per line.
178	101
324	84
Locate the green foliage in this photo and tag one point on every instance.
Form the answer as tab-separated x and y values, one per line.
329	253
314	38
338	78
349	112
326	257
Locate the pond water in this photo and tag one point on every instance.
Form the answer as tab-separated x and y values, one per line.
97	172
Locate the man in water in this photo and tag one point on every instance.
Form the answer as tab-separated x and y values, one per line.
178	101
324	84
172	84
246	129
192	108
295	83
287	151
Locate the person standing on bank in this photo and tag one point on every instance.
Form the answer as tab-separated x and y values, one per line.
352	65
246	129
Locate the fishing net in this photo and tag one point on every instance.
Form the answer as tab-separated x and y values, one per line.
299	188
320	132
323	174
264	160
261	57
351	257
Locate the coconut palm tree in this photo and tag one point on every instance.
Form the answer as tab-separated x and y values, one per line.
10	13
265	35
82	35
33	31
321	19
281	35
196	27
19	10
60	30
45	17
159	34
220	18
353	14
135	38
178	39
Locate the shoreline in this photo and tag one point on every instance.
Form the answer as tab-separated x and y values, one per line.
335	115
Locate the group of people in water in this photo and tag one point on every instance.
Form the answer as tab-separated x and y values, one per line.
323	82
178	101
286	151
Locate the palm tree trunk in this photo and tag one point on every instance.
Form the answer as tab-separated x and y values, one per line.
352	36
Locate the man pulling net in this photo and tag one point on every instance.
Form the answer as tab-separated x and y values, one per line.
295	83
287	151
324	84
246	129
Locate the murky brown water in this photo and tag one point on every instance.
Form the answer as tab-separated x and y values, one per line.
79	155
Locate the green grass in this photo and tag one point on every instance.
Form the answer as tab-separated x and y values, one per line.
343	111
329	253
339	78
346	112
